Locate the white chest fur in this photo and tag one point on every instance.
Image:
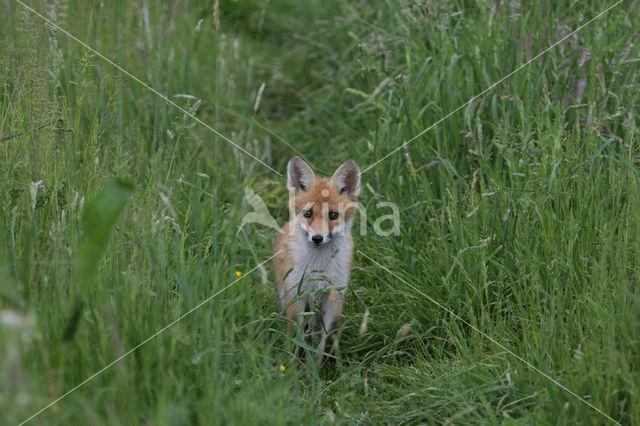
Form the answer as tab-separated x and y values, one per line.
324	266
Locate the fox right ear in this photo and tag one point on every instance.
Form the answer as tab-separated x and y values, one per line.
299	175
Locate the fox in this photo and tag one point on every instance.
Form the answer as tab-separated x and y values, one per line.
313	252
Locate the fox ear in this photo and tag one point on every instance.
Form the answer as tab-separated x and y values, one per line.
299	175
347	179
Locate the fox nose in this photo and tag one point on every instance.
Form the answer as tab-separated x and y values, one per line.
317	239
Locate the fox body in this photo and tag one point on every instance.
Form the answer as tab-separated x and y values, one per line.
314	250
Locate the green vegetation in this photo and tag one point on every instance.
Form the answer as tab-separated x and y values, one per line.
519	212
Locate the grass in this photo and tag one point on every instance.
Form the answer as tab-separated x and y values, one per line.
519	213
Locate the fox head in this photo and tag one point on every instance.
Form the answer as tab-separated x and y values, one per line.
323	208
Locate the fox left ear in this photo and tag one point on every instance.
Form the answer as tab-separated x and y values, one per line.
347	179
299	175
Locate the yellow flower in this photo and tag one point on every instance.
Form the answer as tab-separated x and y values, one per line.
282	368
238	274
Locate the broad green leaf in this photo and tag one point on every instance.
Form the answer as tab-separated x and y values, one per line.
98	219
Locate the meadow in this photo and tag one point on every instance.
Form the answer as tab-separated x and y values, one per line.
510	294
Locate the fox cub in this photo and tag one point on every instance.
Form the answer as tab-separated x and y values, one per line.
314	250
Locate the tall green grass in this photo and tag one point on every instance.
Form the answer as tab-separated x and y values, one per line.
518	213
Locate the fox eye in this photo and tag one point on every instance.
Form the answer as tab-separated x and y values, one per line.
333	215
308	213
